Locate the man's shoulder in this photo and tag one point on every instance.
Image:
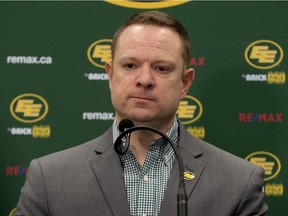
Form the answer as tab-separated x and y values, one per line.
217	154
82	152
214	156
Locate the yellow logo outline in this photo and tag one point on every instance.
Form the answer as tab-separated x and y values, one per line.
29	95
200	110
263	67
91	47
147	5
272	156
12	212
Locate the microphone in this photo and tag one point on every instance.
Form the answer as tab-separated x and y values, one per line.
121	146
126	126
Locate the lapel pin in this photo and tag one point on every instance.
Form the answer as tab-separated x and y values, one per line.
189	175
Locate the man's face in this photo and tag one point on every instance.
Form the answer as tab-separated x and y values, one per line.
147	78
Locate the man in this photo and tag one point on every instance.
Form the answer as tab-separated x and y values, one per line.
148	76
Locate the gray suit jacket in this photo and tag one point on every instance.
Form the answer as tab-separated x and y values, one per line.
87	180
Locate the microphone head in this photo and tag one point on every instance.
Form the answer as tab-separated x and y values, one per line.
125	124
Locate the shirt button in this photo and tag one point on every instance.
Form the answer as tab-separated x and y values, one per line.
146	178
165	157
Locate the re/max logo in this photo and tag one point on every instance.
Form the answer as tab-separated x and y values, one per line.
16	170
261	117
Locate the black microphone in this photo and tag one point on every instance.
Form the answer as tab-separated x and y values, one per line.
122	143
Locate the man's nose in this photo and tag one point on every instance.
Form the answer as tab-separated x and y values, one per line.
145	78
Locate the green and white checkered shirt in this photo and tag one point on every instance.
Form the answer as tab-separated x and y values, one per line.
146	185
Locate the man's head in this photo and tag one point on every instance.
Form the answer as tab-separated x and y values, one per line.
148	75
160	19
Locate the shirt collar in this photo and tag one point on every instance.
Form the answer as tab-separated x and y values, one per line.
172	132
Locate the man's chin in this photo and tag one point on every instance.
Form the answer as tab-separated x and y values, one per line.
140	118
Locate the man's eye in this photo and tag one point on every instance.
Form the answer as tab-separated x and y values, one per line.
162	69
130	66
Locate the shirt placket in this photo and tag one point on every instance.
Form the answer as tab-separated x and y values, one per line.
147	184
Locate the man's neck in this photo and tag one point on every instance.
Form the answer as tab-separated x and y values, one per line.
142	139
140	142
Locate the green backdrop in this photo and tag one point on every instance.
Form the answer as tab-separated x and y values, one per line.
54	92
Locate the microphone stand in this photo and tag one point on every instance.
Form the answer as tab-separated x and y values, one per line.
181	196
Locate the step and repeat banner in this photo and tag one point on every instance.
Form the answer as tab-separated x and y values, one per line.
54	91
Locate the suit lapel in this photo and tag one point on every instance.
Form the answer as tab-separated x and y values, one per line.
109	174
192	165
189	152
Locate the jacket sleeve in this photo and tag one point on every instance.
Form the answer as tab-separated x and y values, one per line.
253	198
33	199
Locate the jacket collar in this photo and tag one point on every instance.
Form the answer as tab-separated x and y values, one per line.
109	174
190	150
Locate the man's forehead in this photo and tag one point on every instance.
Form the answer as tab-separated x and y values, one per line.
150	34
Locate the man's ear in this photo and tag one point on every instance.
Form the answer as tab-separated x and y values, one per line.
187	79
109	70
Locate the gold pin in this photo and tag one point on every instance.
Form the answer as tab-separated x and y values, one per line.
189	175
